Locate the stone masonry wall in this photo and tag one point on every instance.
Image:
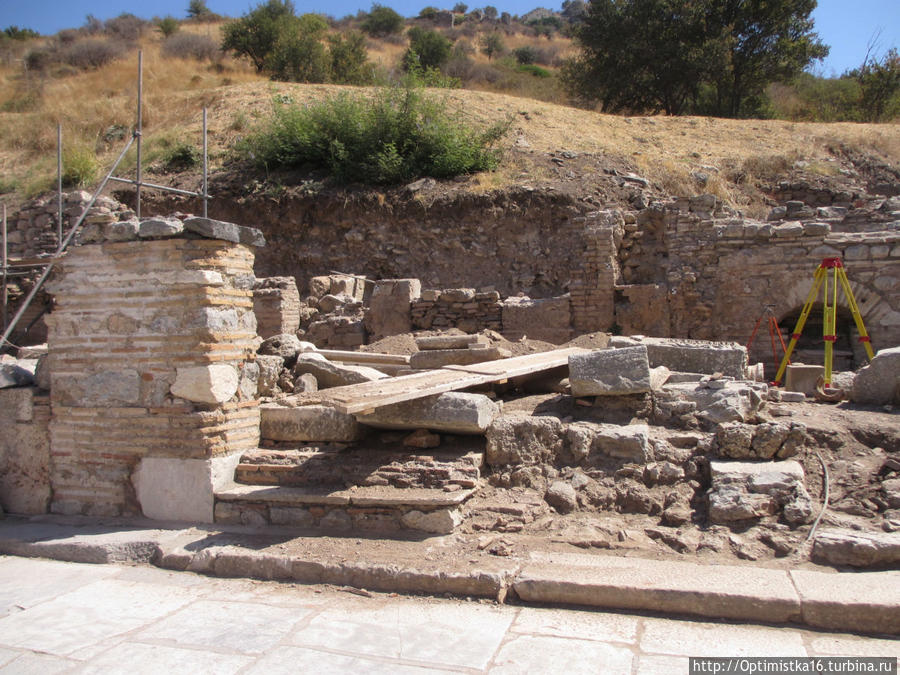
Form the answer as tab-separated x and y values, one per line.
276	303
462	308
24	450
140	327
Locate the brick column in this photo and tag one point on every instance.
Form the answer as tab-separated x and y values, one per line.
592	287
153	378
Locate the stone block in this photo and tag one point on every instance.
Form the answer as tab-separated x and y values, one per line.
745	490
270	367
111	388
182	489
610	372
389	307
319	286
16	372
330	374
457	294
690	356
859	549
307	423
546	319
803	378
160	227
448	341
879	382
442	521
217	229
437	358
126	230
514	440
211	384
630	442
453	412
286	346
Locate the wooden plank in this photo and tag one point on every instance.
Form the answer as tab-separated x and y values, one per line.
356	398
364	357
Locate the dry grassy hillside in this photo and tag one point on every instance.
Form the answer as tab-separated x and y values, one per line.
97	108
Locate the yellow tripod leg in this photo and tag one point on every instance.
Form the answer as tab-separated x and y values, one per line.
801	322
830	325
854	309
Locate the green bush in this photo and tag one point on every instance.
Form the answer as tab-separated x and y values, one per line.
532	69
399	136
80	166
382	21
427	49
181	156
525	55
167	26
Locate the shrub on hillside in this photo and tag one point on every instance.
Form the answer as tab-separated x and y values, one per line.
190	46
80	167
427	49
90	54
126	27
399	136
525	55
167	26
382	21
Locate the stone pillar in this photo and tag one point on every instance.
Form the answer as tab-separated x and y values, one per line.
24	450
153	376
592	293
276	303
390	307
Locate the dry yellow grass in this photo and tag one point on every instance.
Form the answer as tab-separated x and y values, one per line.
666	150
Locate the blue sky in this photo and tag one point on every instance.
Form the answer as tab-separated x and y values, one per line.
846	25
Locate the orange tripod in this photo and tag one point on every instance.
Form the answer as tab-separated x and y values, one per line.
773	331
839	275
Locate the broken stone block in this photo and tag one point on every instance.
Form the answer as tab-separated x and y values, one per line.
126	230
859	549
286	346
329	374
690	356
442	521
306	384
270	367
217	229
764	441
735	402
744	490
631	442
453	412
803	378
389	307
547	319
437	358
319	286
17	372
524	439
610	372
206	384
107	388
879	382
307	423
561	496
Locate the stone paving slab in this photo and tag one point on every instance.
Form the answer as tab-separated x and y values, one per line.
720	591
136	620
867	601
857	601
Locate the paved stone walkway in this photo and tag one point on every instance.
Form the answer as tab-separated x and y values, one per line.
60	617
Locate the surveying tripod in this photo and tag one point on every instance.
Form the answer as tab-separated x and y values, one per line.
774	331
839	274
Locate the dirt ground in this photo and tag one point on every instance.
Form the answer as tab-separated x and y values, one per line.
860	447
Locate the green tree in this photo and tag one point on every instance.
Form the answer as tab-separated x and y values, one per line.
490	12
349	59
879	81
16	33
760	42
640	55
167	26
197	9
429	13
659	54
460	8
254	35
299	54
427	49
492	45
382	21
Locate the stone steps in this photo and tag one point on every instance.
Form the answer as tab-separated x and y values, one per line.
330	466
377	508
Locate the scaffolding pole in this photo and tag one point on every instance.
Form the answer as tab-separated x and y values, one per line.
138	130
205	165
59	171
7	331
5	264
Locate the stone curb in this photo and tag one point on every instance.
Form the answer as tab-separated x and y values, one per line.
858	601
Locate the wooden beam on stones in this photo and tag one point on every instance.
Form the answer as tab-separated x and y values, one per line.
356	398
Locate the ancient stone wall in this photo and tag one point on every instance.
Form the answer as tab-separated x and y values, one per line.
24	450
276	304
463	308
153	380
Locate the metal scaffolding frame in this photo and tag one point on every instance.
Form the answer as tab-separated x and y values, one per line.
22	268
